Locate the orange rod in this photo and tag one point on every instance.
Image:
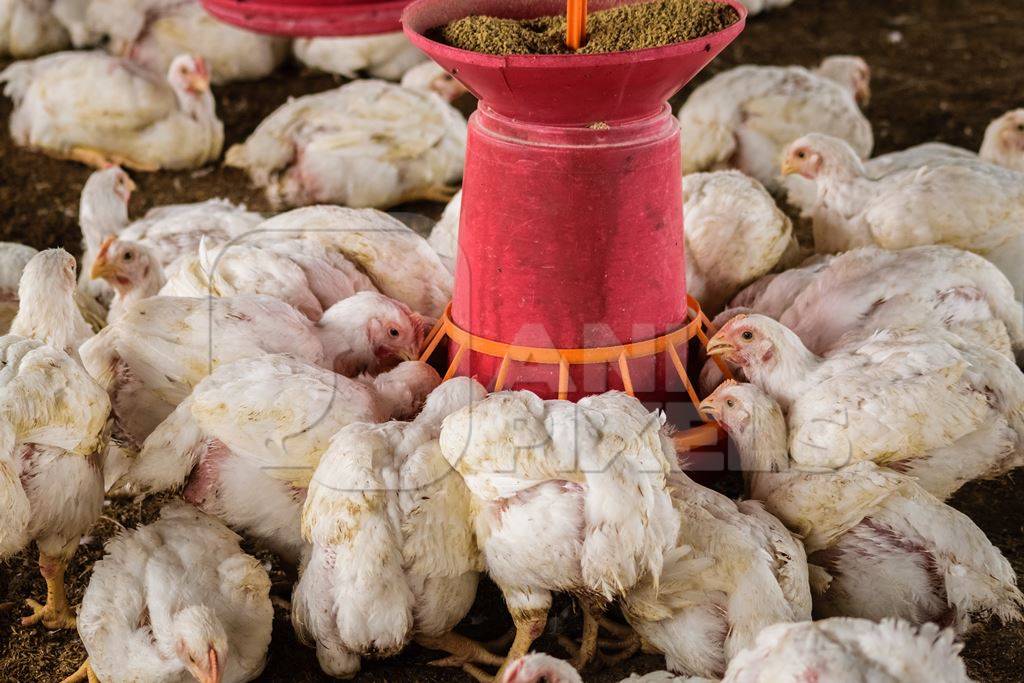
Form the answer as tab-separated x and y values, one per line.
576	23
627	381
454	367
499	382
563	379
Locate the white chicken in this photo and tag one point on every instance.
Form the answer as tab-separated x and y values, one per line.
151	358
47	309
565	497
298	272
444	236
397	261
132	271
734	234
974	206
52	419
735	570
153	32
931	405
124	114
1003	145
387	56
830	299
744	118
430	76
29	28
13	259
102	213
394	557
851	651
1004	141
538	667
888	547
176	600
247	441
366	144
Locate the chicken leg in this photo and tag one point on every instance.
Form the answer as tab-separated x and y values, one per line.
461	649
84	673
56	613
529	625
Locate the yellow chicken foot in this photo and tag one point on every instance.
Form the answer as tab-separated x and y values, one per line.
623	631
84	673
588	641
478	674
439	193
90	157
529	625
56	613
463	650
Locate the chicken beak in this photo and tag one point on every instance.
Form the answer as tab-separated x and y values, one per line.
102	268
198	83
720	346
789	167
408	355
709	407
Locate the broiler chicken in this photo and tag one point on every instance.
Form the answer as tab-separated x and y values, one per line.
836	650
153	32
1004	141
745	117
30	27
387	56
430	76
397	261
928	404
101	110
102	214
298	272
974	206
886	547
735	570
47	306
394	558
13	259
255	430
52	419
734	234
565	497
833	298
176	600
1003	145
162	347
538	667
366	144
444	236
851	651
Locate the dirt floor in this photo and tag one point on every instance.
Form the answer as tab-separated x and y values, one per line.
942	70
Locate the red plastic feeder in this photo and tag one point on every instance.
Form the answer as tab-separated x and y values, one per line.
310	18
570	277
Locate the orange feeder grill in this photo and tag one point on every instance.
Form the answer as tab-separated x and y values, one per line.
698	326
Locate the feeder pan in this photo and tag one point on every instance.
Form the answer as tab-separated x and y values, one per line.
570	274
310	18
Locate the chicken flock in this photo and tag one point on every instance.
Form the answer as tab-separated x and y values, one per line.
266	368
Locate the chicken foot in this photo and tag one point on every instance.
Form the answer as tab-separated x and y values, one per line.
56	613
623	644
100	160
84	673
463	650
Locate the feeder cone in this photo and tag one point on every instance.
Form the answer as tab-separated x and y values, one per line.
310	18
570	278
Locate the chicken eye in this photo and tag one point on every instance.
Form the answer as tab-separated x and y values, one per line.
393	332
801	154
1020	127
747	335
730	403
127	256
